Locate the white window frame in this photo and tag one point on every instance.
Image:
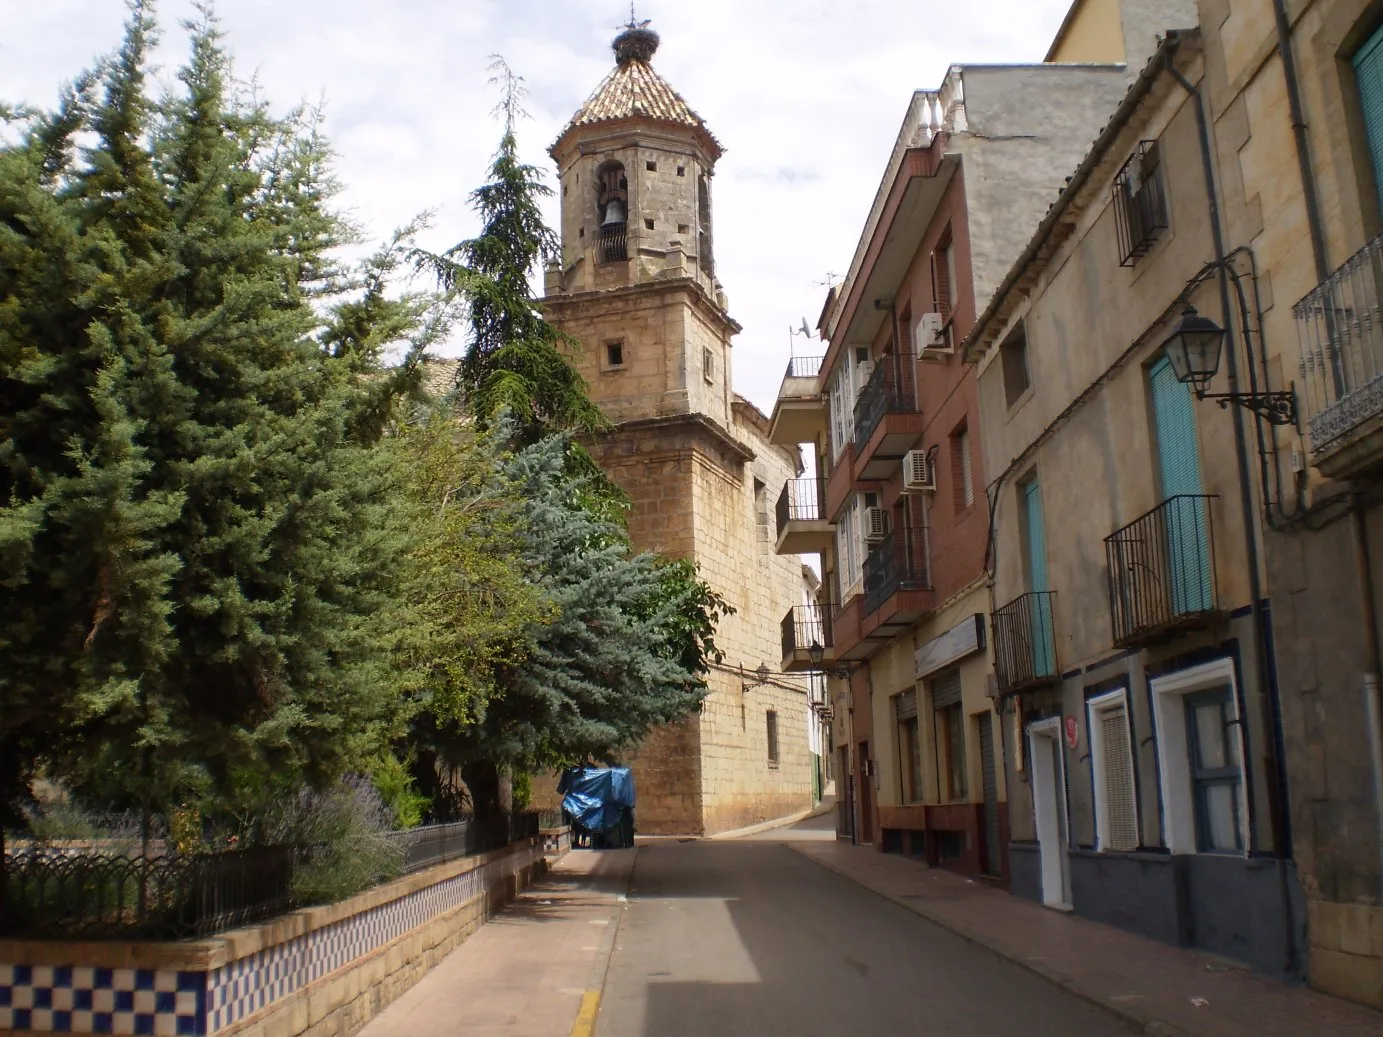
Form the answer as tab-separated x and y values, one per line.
1173	750
842	390
1094	707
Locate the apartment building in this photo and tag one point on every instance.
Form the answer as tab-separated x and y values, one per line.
896	508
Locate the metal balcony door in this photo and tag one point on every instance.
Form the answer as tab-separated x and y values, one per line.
1043	647
1179	468
1368	73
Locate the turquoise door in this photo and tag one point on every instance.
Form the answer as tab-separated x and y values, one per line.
1043	644
1368	74
1185	573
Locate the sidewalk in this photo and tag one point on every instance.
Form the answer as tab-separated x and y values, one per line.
1164	990
531	970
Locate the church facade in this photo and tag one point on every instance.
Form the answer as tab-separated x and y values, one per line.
636	286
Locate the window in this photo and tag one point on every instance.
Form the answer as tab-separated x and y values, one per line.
708	365
761	510
648	224
652	167
1013	356
683	228
1111	755
681	170
943	276
1140	204
772	738
909	746
614	354
950	734
961	476
1200	763
1214	770
1368	76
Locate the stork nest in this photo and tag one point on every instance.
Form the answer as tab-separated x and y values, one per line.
635	44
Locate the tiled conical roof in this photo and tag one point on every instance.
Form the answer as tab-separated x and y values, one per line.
633	90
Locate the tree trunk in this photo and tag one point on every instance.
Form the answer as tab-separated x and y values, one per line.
483	781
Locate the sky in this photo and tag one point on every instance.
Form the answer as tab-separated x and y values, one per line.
806	96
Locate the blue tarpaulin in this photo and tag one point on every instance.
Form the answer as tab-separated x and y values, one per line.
597	798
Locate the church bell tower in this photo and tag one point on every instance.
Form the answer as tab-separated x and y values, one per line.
635	165
636	287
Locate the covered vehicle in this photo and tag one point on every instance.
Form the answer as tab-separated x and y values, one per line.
598	804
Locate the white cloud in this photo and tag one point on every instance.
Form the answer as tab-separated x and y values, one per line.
806	96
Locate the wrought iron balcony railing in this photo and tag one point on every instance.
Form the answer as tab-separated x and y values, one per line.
899	563
804	367
806	625
802	500
614	243
1340	334
1162	570
891	389
1025	643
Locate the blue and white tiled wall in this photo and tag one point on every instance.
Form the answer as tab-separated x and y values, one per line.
81	1000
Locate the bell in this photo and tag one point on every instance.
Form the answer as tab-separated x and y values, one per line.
614	213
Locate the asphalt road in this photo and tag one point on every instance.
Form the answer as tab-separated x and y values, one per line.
750	939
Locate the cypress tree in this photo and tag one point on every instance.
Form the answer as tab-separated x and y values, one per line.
197	535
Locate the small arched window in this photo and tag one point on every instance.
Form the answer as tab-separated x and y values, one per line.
612	211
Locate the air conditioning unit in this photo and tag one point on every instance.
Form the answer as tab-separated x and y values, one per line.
919	475
929	337
875	525
864	370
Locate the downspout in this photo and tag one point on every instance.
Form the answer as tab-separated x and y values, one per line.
1373	707
1276	787
1308	180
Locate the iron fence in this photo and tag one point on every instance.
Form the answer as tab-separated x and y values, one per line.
898	563
100	895
1162	569
1340	337
804	367
891	389
1024	642
97	895
805	625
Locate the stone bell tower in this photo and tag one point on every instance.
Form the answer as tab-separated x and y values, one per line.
636	286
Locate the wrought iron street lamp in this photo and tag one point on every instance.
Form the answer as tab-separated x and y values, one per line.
1194	349
762	673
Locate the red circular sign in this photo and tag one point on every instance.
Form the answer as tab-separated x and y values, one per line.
1072	733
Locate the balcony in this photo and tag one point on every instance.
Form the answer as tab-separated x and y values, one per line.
887	421
1025	643
802	525
1340	337
896	585
799	415
614	243
1162	572
804	626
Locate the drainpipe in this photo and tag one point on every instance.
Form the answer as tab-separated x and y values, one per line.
1314	223
1276	785
1373	707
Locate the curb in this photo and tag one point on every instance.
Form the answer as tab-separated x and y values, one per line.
588	1018
781	822
1149	1023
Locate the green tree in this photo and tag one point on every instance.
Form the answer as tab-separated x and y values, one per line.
199	541
515	360
626	648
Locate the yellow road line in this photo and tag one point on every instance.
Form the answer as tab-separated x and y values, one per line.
585	1018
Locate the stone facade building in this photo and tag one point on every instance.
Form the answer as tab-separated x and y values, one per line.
636	286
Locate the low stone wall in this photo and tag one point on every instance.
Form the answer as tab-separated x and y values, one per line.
556	841
320	972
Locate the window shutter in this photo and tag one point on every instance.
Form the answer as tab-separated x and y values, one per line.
1037	536
946	689
905	705
1368	73
1174	417
941	281
1121	812
966	483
